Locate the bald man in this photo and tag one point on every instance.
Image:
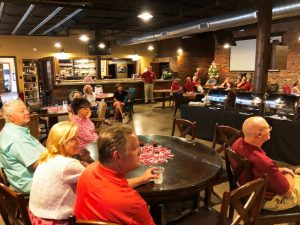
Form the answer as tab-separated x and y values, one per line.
282	183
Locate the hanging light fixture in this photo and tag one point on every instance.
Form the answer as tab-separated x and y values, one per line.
145	16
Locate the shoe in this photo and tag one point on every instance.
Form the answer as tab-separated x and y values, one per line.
107	122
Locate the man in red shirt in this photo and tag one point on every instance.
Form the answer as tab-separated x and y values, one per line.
189	85
148	78
103	192
282	186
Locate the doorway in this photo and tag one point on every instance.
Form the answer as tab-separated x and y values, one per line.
131	69
8	78
112	70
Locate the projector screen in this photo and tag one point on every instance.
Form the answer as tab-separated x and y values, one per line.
242	56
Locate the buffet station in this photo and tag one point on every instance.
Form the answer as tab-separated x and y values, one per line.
280	110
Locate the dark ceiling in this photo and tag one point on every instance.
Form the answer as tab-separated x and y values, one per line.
112	19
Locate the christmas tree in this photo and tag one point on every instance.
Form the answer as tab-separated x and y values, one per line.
213	71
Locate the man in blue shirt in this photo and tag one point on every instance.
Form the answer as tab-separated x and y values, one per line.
19	151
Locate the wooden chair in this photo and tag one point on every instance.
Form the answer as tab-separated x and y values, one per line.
34	125
185	127
179	100
102	106
129	105
242	165
3	178
14	206
73	221
246	200
225	136
2	122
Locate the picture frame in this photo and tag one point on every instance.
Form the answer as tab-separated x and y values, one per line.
122	69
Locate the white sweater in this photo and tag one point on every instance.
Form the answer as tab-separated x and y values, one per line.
53	189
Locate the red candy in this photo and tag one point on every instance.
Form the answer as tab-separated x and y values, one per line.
154	155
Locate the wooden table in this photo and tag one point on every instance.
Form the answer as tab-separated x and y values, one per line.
101	96
193	168
53	115
163	92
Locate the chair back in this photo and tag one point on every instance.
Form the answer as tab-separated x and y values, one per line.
237	168
2	122
178	98
14	206
102	107
132	93
33	125
73	221
247	202
185	127
225	135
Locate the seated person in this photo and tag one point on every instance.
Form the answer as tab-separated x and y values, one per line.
119	97
286	88
245	85
227	83
188	86
296	88
19	151
103	193
52	195
282	191
87	135
211	82
73	95
176	87
91	97
198	87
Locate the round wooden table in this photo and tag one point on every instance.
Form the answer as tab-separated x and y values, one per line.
193	168
101	96
54	114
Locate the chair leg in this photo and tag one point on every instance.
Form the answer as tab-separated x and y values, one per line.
175	111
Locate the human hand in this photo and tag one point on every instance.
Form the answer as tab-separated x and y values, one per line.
150	174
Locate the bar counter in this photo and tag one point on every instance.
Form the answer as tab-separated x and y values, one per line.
61	90
284	142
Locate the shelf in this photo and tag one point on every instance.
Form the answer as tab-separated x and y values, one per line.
27	74
30	82
32	97
28	66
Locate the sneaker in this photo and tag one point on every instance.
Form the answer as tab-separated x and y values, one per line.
107	122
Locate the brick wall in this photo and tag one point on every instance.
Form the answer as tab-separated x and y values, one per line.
291	32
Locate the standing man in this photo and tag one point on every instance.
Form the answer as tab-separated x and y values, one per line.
103	192
282	187
19	151
148	78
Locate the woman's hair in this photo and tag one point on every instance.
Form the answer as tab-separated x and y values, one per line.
86	88
78	103
58	136
112	139
71	95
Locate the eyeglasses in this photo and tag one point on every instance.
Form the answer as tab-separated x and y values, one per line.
269	128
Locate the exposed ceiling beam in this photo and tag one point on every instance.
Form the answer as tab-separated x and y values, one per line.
30	8
46	20
1	9
63	21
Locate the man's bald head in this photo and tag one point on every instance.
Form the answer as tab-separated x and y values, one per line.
253	125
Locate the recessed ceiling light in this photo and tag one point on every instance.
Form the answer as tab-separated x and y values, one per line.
226	45
84	38
179	51
150	48
101	45
57	45
145	16
241	30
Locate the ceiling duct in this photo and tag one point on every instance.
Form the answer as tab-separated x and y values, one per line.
240	18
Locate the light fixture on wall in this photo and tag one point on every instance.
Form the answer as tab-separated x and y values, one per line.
145	16
57	45
150	48
226	45
84	38
179	51
62	55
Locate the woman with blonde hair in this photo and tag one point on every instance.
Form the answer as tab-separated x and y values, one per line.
53	189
